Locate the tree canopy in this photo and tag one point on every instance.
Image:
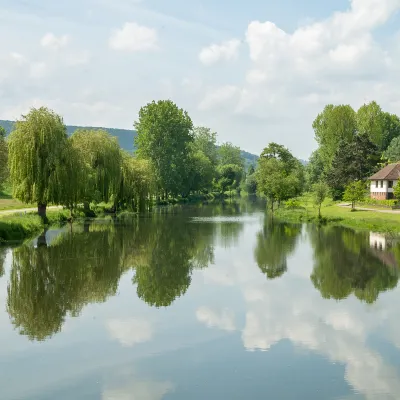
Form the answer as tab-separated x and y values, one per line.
36	146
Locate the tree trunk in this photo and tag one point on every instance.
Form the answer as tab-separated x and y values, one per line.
86	207
319	211
42	210
41	240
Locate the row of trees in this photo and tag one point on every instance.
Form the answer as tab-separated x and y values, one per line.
352	145
173	158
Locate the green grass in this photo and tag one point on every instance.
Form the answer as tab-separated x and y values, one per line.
7	202
333	214
19	227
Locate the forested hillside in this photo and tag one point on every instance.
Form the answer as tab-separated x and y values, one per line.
125	138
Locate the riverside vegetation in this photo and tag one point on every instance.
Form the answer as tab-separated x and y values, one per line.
175	162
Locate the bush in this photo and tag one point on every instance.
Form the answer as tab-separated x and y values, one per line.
293	203
382	203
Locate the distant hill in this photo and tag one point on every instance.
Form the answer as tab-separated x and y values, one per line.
125	138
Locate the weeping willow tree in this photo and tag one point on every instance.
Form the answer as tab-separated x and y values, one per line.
137	182
101	155
35	147
3	157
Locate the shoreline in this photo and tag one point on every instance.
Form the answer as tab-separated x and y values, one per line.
333	214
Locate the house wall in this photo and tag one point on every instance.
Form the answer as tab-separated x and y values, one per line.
380	193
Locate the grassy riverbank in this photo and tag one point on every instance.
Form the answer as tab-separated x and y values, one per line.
332	213
19	227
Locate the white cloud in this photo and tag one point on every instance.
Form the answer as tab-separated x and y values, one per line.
51	41
228	50
134	37
79	58
224	320
138	390
218	96
130	331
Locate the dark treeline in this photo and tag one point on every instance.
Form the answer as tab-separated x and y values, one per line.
173	160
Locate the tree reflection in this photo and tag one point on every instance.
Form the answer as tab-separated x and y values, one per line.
51	280
3	253
171	249
275	243
345	264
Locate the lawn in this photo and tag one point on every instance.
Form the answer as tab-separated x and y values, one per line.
7	202
333	214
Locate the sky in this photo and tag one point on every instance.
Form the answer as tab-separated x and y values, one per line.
253	71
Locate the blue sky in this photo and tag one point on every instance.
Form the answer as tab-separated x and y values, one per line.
255	71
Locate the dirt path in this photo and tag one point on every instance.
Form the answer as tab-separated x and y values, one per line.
26	210
346	205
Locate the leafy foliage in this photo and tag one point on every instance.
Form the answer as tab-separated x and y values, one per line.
355	191
3	157
353	160
35	148
164	133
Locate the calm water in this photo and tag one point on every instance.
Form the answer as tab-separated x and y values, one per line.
202	303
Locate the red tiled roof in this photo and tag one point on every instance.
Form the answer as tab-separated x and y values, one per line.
390	172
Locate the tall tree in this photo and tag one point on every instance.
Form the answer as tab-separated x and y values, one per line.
392	153
314	170
101	155
370	122
206	141
164	132
3	157
391	127
36	146
353	161
230	154
333	125
280	176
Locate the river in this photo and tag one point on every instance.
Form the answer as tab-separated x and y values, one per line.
211	302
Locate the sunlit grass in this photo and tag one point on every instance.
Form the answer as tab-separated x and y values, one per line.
332	213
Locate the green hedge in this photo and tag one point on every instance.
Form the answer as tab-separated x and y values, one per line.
381	203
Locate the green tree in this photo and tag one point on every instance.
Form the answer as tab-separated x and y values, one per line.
3	157
206	142
230	155
36	146
396	191
250	184
164	132
314	170
320	191
275	243
355	191
102	160
136	183
280	176
333	125
228	177
392	153
354	160
370	122
391	127
200	172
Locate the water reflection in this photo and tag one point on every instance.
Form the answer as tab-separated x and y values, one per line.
275	242
344	264
49	281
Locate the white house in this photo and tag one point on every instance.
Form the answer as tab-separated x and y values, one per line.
383	182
